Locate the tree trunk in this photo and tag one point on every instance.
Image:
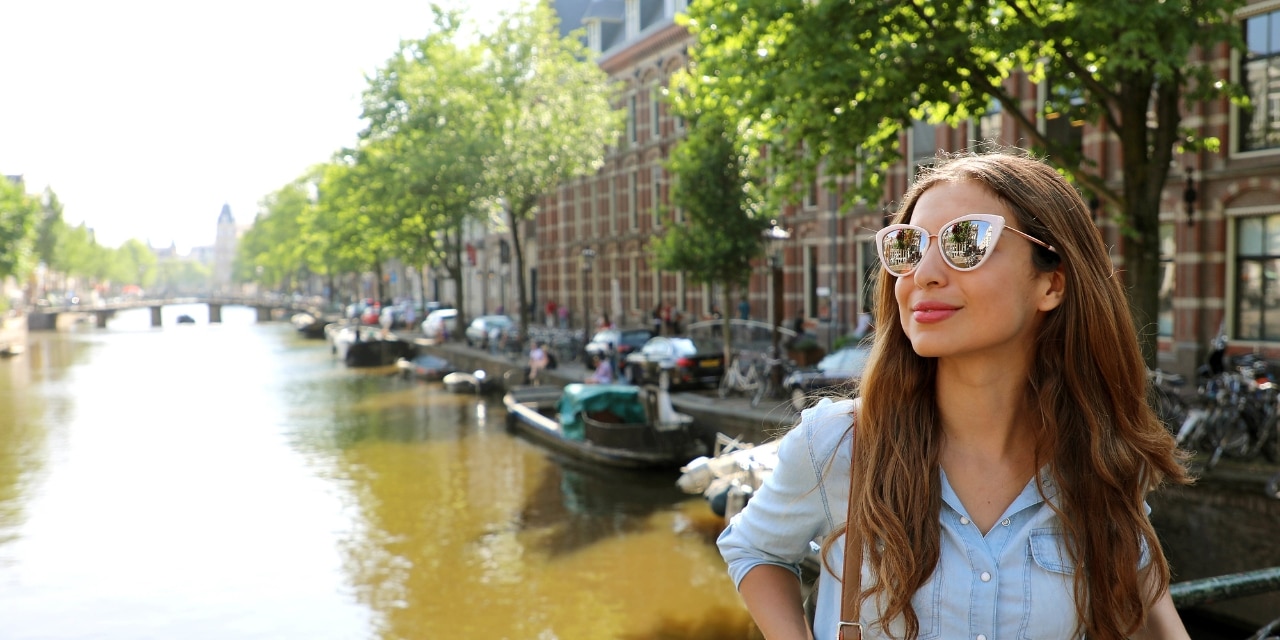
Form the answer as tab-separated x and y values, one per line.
726	324
517	249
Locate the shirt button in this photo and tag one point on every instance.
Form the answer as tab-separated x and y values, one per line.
1005	522
986	577
964	520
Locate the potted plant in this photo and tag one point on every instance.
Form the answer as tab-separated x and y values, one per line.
805	351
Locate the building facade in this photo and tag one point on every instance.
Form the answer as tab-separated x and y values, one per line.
1220	217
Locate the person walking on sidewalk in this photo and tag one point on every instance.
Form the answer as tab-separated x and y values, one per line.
990	480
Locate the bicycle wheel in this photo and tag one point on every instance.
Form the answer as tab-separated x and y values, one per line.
764	388
1270	435
727	382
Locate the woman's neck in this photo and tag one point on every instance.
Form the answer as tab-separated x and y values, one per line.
983	412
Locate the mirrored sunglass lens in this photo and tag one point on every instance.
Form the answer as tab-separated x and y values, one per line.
901	250
966	243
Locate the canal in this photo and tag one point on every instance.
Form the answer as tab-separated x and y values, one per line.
236	481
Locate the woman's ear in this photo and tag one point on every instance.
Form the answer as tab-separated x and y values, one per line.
1055	285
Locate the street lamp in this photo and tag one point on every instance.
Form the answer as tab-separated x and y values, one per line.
588	257
774	237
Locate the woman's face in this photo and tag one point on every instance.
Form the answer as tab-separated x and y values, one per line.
990	310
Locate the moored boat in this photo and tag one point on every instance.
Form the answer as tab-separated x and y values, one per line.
731	475
616	425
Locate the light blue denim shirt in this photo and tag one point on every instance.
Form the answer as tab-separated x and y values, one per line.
1013	583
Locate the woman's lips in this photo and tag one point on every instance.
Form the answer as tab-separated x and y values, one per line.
928	312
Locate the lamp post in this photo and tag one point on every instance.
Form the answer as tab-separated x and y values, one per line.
588	257
775	236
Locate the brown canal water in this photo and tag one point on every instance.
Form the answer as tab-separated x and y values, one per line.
236	481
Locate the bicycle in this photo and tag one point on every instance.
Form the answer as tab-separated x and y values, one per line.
740	377
772	385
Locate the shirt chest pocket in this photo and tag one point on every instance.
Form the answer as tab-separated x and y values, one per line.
927	603
1049	609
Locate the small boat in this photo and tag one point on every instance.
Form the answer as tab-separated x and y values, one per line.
186	319
9	350
425	367
309	325
608	424
367	347
476	382
731	475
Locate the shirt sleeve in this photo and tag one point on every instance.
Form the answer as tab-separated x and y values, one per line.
794	505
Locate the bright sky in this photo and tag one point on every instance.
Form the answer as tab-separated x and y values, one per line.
146	116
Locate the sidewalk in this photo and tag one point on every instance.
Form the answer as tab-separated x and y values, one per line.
733	416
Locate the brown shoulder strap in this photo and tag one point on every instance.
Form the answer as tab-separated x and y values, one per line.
851	585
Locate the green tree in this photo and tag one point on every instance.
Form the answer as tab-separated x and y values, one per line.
428	144
551	110
722	234
134	263
835	82
271	251
19	213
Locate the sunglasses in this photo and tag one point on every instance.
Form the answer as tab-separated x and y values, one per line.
964	242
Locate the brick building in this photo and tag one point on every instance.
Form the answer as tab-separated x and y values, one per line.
1219	232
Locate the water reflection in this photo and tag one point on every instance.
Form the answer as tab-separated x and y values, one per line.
236	481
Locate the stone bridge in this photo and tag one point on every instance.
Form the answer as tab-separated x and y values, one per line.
47	318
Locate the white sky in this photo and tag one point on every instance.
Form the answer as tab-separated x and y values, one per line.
146	116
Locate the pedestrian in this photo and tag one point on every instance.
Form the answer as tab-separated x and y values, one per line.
551	314
990	480
537	362
563	312
744	309
655	318
602	372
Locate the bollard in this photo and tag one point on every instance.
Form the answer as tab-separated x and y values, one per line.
155	316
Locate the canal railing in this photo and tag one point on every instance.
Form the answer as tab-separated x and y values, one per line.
1193	593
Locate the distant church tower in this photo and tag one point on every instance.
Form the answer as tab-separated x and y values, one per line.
224	250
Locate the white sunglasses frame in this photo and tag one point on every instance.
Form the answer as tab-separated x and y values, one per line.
996	222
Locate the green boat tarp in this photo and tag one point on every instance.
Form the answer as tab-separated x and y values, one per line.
619	399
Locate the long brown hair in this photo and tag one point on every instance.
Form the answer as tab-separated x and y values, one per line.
1105	447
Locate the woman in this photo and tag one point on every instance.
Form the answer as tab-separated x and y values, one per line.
1003	442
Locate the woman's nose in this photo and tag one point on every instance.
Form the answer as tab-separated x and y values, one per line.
932	269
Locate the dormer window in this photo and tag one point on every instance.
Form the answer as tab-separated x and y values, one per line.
632	19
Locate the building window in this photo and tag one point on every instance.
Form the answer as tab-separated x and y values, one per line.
655	194
632	125
634	288
1260	75
1062	117
633	212
811	282
655	114
1168	280
990	123
923	140
1258	278
633	19
594	36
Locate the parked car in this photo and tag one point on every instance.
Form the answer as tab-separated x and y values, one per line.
624	341
833	374
692	363
486	328
440	323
